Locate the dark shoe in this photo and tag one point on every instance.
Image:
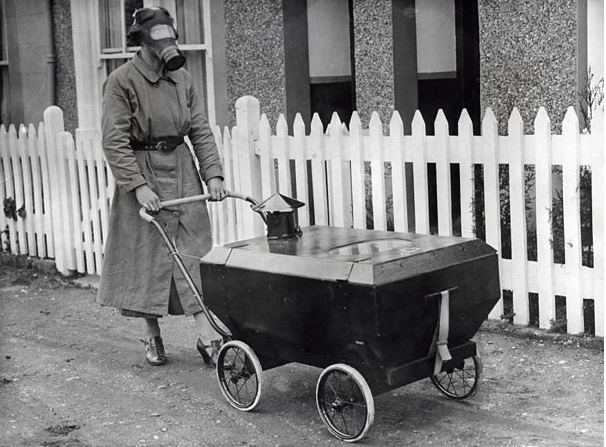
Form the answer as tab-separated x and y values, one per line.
209	353
154	351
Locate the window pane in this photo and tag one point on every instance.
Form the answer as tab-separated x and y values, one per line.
114	22
189	20
195	65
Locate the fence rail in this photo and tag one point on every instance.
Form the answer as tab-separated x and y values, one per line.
358	177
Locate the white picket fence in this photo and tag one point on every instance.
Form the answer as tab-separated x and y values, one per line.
65	194
66	189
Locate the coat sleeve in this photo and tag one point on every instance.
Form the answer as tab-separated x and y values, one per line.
202	138
116	128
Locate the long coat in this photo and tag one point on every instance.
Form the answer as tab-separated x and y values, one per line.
140	104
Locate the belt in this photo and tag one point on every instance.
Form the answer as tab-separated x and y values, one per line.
162	144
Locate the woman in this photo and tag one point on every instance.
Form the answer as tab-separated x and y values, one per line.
149	106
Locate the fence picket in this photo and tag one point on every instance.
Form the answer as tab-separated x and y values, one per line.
318	171
53	117
419	144
230	206
597	204
36	211
337	197
543	183
572	222
17	173
443	175
26	169
84	146
93	189
377	171
245	136
300	156
398	173
103	197
5	178
358	190
9	184
67	142
46	197
492	206
266	159
217	210
517	207
282	149
466	174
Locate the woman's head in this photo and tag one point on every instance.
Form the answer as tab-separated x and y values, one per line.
153	26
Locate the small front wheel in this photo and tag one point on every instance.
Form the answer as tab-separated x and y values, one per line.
461	381
345	402
239	374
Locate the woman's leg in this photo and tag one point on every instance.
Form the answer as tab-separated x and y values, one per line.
152	328
209	340
154	348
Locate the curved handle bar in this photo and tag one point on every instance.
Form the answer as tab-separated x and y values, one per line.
173	250
199	198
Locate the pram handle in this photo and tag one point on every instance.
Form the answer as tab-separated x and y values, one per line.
236	195
177	257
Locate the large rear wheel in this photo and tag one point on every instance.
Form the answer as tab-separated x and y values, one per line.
345	402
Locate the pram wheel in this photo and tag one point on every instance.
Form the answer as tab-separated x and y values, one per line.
345	402
462	381
239	374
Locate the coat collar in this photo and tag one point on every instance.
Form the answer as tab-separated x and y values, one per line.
148	73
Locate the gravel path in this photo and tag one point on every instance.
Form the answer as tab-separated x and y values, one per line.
73	374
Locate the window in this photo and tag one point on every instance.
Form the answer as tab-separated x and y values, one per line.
4	81
192	20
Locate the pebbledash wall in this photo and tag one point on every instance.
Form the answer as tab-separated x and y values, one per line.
373	55
65	83
254	54
529	57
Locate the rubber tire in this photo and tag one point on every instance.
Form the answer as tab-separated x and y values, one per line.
366	394
258	371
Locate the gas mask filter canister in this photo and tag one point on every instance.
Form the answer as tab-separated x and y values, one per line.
157	32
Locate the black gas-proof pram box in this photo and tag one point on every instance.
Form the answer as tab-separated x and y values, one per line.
377	310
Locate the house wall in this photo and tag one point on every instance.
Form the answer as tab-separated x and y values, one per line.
65	90
374	67
528	57
254	53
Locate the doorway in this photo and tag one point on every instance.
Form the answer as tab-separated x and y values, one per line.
448	61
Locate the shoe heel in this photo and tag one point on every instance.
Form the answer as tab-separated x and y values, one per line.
201	347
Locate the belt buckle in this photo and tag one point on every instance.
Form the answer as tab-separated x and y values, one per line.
161	146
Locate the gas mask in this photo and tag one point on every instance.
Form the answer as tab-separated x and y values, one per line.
153	26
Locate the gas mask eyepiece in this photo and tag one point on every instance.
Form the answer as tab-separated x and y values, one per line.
153	26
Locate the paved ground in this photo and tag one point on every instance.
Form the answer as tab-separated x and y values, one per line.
73	374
